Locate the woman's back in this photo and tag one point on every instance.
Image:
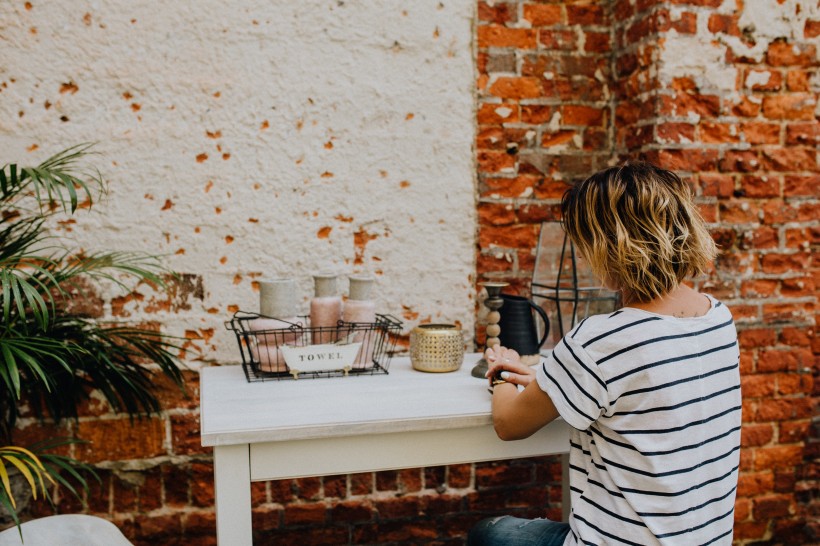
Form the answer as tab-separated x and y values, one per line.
655	401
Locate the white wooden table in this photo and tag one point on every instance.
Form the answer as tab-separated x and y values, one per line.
313	427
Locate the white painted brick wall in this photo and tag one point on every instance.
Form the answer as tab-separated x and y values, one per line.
317	117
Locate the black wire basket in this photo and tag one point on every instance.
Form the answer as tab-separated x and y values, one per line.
264	349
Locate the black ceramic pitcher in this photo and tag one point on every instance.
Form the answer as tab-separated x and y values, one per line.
517	323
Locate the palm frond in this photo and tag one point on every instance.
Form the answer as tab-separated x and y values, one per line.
55	180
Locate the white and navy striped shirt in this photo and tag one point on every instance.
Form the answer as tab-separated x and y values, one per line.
654	402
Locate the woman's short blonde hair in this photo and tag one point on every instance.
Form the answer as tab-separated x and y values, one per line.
639	229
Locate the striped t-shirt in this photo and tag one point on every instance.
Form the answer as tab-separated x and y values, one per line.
654	405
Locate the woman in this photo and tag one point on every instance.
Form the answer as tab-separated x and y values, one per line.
651	391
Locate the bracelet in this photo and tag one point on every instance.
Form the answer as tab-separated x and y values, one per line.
496	381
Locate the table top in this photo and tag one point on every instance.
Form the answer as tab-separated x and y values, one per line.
234	411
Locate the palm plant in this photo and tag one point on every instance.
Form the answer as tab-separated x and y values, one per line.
50	356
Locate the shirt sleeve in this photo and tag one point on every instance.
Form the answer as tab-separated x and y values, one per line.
574	383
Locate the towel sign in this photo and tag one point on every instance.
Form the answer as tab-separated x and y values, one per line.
320	358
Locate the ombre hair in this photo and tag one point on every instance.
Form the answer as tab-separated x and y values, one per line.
639	229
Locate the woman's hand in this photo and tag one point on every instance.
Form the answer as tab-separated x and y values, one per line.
506	364
516	414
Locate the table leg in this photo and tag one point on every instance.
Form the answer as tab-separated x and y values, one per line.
232	491
565	492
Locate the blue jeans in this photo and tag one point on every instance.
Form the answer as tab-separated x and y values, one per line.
510	531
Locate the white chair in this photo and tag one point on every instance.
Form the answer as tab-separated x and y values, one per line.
65	530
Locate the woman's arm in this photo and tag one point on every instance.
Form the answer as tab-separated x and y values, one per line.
517	415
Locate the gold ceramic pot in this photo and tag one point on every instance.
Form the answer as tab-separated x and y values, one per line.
436	347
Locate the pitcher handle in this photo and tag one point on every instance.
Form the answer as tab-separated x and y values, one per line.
546	320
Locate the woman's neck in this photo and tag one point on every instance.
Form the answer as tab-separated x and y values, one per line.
680	302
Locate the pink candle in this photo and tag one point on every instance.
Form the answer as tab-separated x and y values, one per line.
325	309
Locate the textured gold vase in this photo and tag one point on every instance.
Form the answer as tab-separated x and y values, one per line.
436	347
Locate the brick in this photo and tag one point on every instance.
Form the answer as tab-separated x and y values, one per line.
781	53
541	15
516	88
747	107
751	484
757	386
499	36
352	512
812	28
740	161
783	263
794	431
795	106
798	81
535	214
157	529
724	24
798	288
797	337
519	186
486	263
301	514
185	435
434	477
738	212
336	486
794	384
202	484
496	114
171	396
559	138
792	159
718	132
760	238
309	488
803	133
750	530
361	483
760	186
565	40
781	360
772	506
716	185
495	475
497	12
743	508
398	507
675	132
459	476
782	409
756	435
120	439
767	458
500	62
495	162
537	114
597	42
787	312
685	103
175	484
760	133
585	14
759	288
508	236
688	160
266	518
410	480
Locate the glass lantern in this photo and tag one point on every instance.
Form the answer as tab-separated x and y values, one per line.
564	286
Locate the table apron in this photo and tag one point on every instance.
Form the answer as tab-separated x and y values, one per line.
389	451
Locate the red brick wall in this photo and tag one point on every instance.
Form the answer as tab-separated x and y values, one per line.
563	89
750	151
